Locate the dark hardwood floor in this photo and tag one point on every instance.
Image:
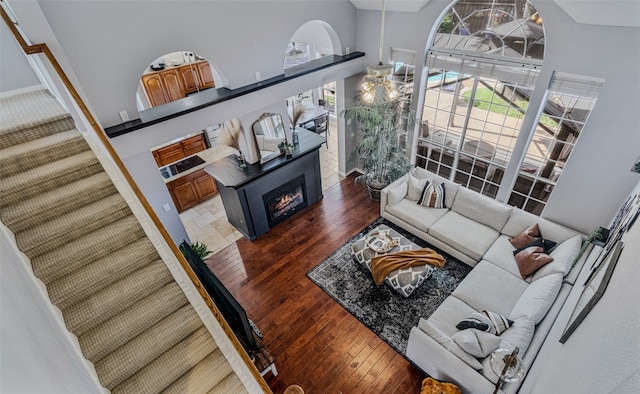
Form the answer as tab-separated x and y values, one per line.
317	343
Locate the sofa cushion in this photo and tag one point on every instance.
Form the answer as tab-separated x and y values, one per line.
531	257
420	217
449	313
563	256
501	254
432	195
490	287
519	220
396	194
481	209
464	234
415	187
451	189
535	301
448	343
477	343
518	335
487	321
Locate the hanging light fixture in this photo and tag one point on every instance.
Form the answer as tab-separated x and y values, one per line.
377	75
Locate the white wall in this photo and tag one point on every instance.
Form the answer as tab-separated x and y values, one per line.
120	39
603	354
15	72
36	354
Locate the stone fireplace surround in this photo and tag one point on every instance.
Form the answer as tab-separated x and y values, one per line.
242	190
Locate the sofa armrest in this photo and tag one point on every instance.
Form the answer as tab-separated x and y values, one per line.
384	193
441	364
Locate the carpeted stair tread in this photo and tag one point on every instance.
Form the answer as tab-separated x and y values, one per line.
131	318
40	152
31	115
70	257
103	305
43	179
230	384
202	378
146	347
44	207
64	229
132	321
172	364
101	273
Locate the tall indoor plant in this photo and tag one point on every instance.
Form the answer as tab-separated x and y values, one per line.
381	160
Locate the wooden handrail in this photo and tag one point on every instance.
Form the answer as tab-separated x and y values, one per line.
44	49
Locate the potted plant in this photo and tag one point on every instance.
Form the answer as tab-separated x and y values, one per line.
381	160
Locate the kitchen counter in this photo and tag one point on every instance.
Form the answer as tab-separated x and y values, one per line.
208	155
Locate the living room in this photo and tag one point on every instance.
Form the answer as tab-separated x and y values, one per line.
583	43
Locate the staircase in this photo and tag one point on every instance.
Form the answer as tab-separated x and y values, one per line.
132	320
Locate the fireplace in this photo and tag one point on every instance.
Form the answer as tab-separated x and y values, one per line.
285	200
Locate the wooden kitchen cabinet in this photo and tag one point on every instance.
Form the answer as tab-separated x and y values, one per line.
175	83
206	76
178	151
193	145
169	154
192	189
156	92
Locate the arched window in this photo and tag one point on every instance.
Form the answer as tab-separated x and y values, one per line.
482	66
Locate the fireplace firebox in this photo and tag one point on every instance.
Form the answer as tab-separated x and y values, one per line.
285	200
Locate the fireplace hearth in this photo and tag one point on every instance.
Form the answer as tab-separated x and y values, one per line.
285	200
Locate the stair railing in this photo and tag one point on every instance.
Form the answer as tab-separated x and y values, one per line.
34	49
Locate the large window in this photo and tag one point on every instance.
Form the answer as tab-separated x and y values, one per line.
469	127
403	62
475	127
567	105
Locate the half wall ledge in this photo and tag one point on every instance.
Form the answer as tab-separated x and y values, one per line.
211	97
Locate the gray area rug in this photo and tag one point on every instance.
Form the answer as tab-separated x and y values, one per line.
388	314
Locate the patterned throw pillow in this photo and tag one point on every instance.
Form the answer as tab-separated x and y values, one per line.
531	257
490	322
432	196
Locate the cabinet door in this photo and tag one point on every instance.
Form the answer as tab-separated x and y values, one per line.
152	84
205	185
170	154
190	78
183	194
173	84
193	145
206	76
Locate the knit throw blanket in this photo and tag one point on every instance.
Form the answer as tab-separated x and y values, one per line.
381	266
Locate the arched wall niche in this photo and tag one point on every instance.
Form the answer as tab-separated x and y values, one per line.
176	75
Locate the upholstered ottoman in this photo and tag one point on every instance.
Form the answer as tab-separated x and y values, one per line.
405	280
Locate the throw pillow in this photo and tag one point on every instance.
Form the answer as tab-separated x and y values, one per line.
415	187
490	322
477	343
432	196
396	194
531	257
529	235
526	237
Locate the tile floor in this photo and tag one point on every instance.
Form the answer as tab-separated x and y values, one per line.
207	222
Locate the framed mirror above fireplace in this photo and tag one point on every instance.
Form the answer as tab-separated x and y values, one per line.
268	132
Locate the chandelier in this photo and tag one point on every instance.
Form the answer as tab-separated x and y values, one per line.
377	75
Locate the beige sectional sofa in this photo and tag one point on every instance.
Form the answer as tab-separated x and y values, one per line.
476	230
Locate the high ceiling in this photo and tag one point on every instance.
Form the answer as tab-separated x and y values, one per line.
623	13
